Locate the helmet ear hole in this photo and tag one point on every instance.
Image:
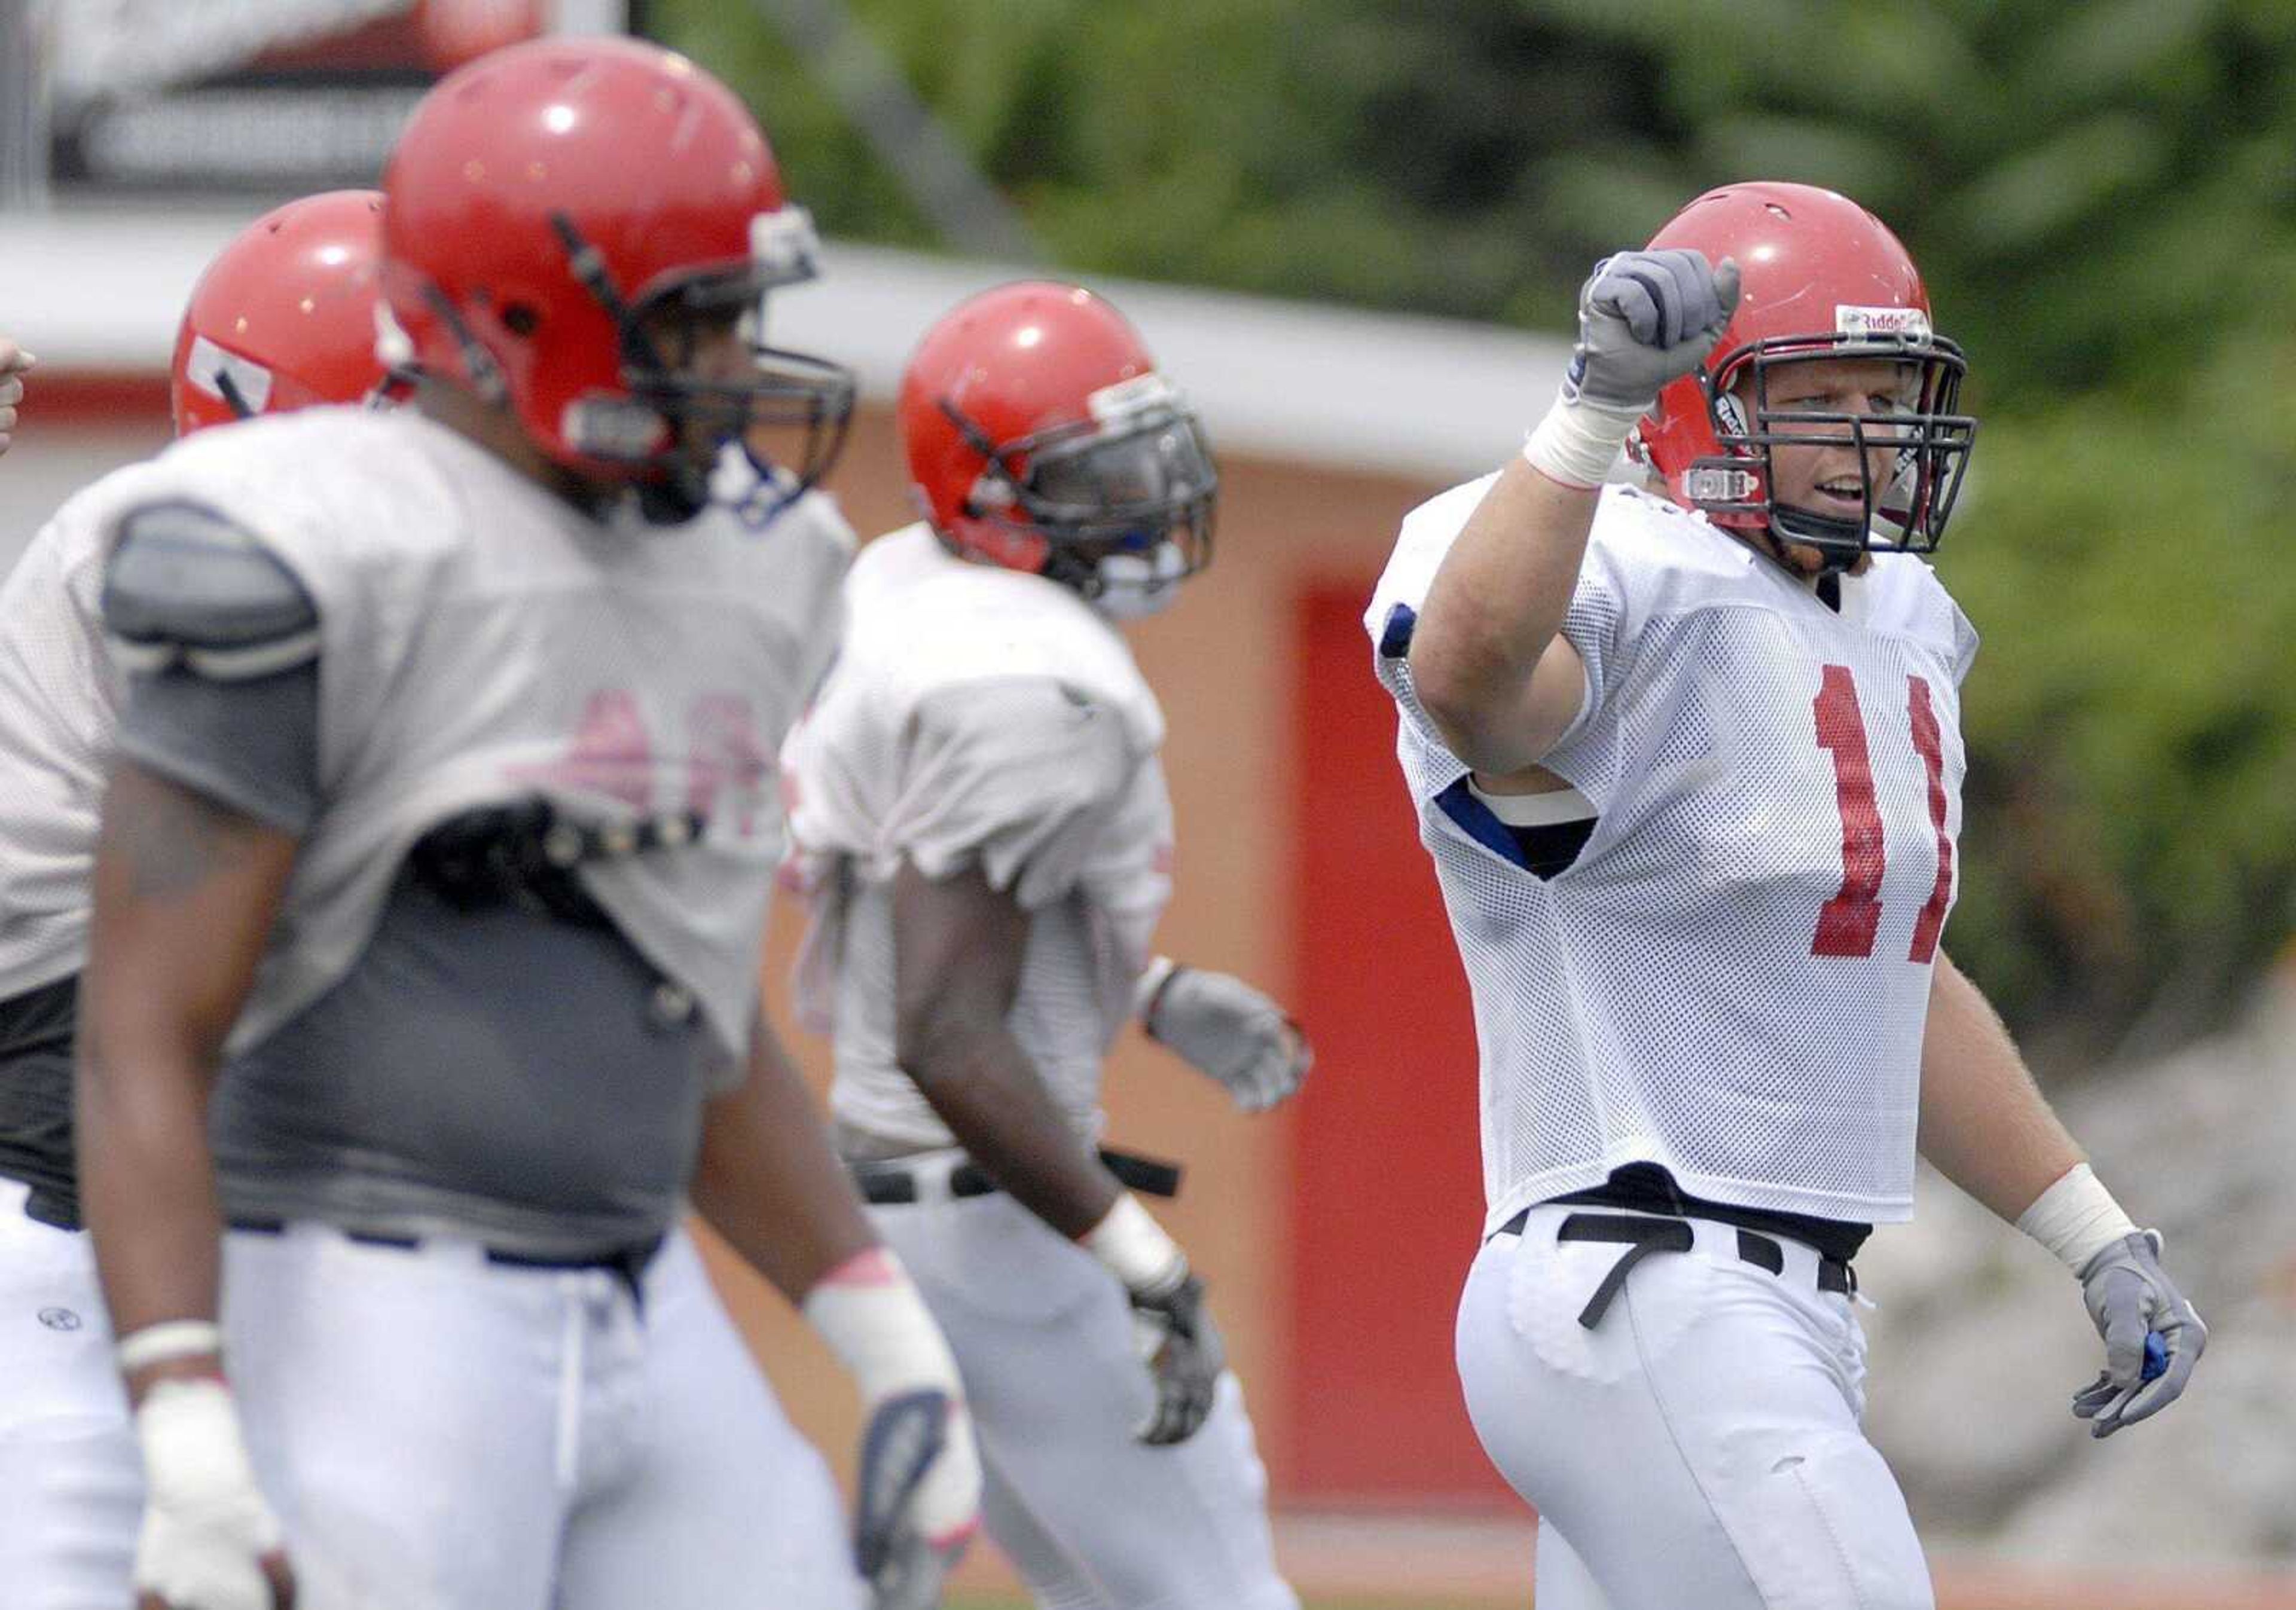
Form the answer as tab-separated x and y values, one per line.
520	320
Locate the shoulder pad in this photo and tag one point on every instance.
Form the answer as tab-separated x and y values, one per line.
186	585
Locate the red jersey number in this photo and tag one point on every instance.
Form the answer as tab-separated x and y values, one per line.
1848	922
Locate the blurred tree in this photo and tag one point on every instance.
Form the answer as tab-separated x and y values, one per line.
2101	196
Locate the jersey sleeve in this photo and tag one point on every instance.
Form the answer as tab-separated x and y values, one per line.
1018	777
220	644
1964	645
1596	622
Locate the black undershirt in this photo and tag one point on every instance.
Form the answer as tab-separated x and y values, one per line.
36	1100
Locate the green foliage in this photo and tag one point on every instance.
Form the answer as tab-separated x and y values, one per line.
2102	196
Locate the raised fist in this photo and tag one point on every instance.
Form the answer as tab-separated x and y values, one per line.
1646	318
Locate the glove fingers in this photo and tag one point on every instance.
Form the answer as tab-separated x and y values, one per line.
2157	1394
904	1438
2092	1400
1725	293
1633	299
1693	293
910	1578
2124	1344
1161	1428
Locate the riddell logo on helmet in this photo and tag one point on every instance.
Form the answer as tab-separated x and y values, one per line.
1906	323
1128	398
613	428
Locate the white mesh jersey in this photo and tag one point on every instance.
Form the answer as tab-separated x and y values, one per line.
481	641
977	716
1732	979
59	703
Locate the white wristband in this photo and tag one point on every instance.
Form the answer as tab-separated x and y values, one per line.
1144	989
2075	1218
1136	1249
167	1342
869	1312
1578	444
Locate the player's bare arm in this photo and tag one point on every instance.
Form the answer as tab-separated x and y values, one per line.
767	1179
184	893
1487	659
1986	1126
958	948
957	970
1486	662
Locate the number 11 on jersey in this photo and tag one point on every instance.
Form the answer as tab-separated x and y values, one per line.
1848	922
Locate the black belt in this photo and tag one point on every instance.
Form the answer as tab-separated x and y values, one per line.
627	1262
1641	1237
891	1181
51	1208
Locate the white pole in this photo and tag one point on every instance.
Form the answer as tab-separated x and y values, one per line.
23	108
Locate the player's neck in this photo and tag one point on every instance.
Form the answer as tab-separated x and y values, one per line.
498	431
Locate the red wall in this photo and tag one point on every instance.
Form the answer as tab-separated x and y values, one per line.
1386	1198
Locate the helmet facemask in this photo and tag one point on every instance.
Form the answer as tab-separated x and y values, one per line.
1123	501
1904	510
786	411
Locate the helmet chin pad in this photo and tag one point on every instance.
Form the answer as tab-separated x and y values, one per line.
1839	542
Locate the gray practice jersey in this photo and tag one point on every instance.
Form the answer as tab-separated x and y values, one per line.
979	717
405	1065
58	702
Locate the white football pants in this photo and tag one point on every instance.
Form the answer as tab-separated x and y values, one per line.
440	1432
1091	1518
72	1480
1701	1445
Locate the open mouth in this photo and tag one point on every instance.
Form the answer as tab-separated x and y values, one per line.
1846	493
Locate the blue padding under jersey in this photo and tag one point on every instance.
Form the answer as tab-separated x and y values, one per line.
1395	635
1478	822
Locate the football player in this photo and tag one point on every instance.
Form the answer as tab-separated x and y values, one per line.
986	834
1687	757
422	994
282	318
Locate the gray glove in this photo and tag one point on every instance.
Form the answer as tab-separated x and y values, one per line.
901	1564
1184	1355
1646	318
2131	1301
1229	1032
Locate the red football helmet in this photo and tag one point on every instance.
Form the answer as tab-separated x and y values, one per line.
1820	278
283	317
1041	438
553	208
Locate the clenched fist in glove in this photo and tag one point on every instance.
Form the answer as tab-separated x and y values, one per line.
2131	1300
1225	1029
1645	318
1172	1328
